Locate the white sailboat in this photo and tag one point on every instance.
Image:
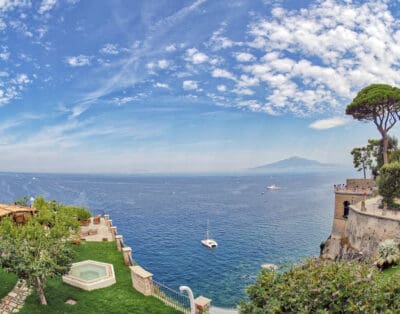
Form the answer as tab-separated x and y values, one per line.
273	187
210	243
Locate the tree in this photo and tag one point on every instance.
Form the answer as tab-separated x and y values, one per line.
362	158
376	148
379	103
389	182
39	249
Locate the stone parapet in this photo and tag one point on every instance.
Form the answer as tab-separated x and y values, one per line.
127	252
113	232
142	280
202	305
119	240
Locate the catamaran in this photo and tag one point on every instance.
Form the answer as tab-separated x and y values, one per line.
207	241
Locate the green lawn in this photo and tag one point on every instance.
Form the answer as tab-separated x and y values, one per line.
119	298
7	282
391	271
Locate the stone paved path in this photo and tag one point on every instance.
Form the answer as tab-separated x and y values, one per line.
15	299
101	231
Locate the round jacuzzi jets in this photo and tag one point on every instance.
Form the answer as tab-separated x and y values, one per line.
90	275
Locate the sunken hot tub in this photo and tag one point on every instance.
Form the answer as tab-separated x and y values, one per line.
90	275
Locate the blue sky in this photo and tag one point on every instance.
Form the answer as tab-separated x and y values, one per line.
187	86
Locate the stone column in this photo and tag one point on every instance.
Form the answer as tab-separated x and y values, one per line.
109	225
113	232
127	252
106	218
142	280
119	239
202	304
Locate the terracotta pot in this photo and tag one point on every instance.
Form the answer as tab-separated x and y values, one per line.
84	222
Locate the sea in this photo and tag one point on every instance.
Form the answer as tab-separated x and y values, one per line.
164	218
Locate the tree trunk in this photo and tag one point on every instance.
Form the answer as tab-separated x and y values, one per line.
365	176
40	292
385	148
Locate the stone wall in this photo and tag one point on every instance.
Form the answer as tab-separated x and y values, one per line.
339	223
364	230
360	183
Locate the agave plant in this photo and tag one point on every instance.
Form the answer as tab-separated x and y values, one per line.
388	253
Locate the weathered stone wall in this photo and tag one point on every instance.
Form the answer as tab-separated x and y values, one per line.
339	223
364	231
360	183
361	232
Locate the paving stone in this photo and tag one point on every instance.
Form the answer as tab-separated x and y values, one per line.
70	301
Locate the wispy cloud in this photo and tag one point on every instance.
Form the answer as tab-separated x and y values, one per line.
78	61
190	85
330	123
46	6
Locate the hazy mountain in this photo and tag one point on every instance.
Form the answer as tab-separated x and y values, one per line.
295	164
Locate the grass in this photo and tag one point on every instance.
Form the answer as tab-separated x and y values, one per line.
7	282
118	298
387	273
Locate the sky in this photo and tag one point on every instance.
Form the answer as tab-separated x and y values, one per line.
187	86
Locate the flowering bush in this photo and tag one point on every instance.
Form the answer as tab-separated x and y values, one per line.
388	253
319	286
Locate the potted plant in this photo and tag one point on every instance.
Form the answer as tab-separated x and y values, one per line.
83	215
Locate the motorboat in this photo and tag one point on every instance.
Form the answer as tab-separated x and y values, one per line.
273	187
210	243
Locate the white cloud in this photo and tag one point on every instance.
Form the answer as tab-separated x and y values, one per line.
123	100
245	57
163	64
160	64
317	58
170	48
46	6
221	73
190	85
330	123
161	85
221	88
196	57
4	55
243	91
21	79
78	61
110	49
7	5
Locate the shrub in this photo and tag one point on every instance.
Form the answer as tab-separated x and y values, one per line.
22	201
82	213
389	182
388	253
319	286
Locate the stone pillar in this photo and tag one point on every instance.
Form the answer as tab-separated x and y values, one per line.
127	251
106	218
142	280
119	239
109	225
113	232
202	304
363	208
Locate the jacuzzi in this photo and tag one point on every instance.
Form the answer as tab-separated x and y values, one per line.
90	275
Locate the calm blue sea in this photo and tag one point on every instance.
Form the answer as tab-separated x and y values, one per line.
163	218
